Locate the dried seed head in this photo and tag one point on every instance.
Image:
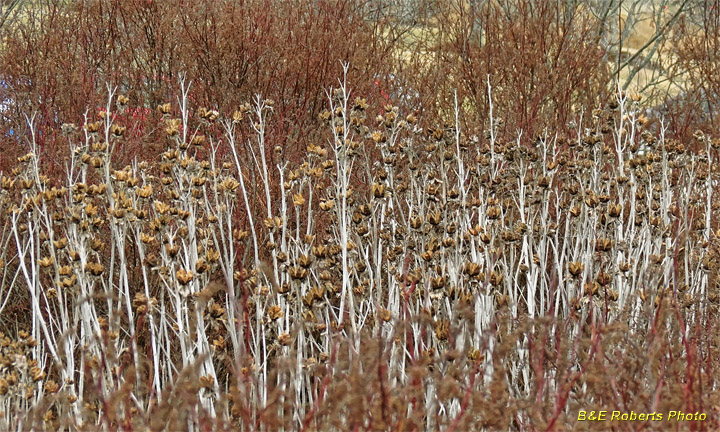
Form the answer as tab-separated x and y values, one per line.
496	278
184	276
93	128
576	268
164	109
275	312
284	339
117	131
493	212
297	272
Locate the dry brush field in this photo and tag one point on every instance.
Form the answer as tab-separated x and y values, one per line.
400	276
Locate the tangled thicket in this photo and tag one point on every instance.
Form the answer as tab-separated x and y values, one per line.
545	59
397	276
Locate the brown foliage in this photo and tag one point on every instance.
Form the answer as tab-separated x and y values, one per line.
543	62
60	57
507	297
697	42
